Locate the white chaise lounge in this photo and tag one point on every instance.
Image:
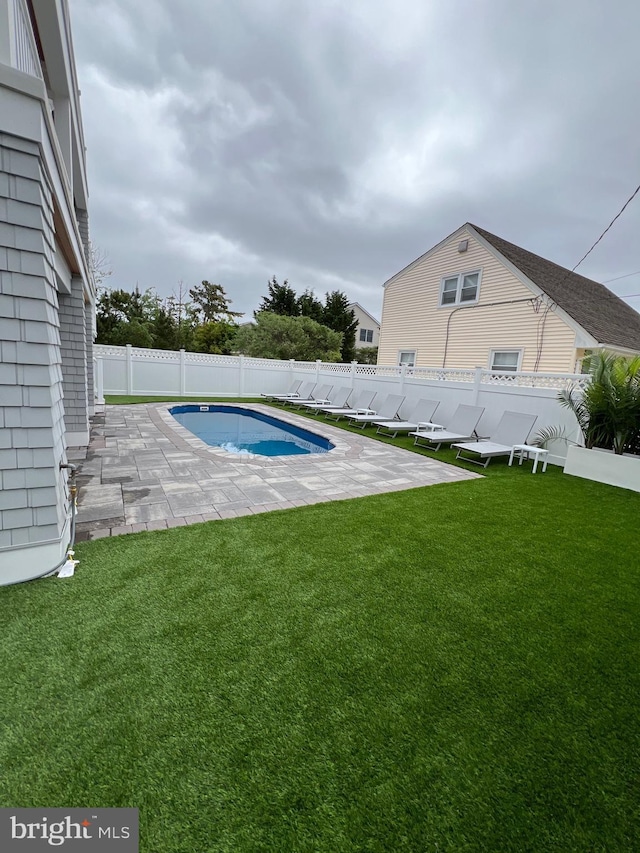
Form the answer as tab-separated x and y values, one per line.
292	392
514	428
361	402
421	414
338	400
303	392
386	410
319	394
462	426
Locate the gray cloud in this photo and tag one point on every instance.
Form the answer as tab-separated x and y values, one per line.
332	143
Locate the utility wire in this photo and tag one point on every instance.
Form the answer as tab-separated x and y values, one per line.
618	214
628	275
541	323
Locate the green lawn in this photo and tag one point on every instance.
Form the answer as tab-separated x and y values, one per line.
453	668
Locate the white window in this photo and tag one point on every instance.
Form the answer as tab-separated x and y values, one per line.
408	357
366	335
506	359
460	289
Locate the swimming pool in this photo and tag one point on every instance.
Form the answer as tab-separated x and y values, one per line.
247	432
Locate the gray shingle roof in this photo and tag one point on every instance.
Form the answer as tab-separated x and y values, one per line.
599	311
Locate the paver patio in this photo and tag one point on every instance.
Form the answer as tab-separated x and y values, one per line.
144	471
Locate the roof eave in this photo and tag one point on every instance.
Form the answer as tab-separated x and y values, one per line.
364	310
618	348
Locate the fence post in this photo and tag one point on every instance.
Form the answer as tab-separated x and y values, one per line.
403	373
129	371
354	365
99	391
183	374
477	382
241	377
292	367
318	363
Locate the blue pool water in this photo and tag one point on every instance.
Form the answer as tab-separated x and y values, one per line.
244	431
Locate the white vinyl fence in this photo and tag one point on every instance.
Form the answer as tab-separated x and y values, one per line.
146	372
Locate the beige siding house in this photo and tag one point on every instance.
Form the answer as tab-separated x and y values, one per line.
368	331
475	300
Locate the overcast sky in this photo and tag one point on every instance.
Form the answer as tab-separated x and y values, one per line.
331	142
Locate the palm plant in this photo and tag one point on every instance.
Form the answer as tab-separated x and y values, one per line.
608	410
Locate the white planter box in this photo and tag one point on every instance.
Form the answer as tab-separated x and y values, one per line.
604	466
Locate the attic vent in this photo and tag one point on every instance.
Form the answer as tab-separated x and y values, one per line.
463	245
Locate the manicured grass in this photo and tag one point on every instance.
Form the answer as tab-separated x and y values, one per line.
453	668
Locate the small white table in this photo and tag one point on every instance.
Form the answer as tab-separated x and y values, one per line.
527	450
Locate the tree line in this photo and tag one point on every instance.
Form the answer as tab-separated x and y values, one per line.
200	319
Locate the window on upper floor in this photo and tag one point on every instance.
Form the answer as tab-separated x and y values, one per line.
366	335
506	359
460	289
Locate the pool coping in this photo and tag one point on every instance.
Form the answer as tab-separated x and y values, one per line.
341	447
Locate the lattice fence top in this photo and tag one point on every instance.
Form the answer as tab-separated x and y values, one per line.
207	358
363	371
536	380
443	374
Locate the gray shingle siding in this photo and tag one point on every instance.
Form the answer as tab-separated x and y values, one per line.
33	503
74	357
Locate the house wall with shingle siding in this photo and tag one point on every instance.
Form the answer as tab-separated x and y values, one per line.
74	363
33	498
88	344
413	320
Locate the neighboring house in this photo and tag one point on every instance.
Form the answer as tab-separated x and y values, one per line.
475	300
368	331
47	296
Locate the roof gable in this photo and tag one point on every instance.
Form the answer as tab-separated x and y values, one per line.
364	311
593	306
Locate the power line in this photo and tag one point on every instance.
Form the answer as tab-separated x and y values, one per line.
628	275
568	273
618	214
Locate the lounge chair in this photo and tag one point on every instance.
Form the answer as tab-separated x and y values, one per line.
361	402
319	395
514	428
303	392
387	410
462	426
338	400
421	415
292	392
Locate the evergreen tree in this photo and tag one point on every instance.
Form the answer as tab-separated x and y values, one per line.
282	300
216	337
309	306
338	316
121	315
211	303
164	330
367	355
